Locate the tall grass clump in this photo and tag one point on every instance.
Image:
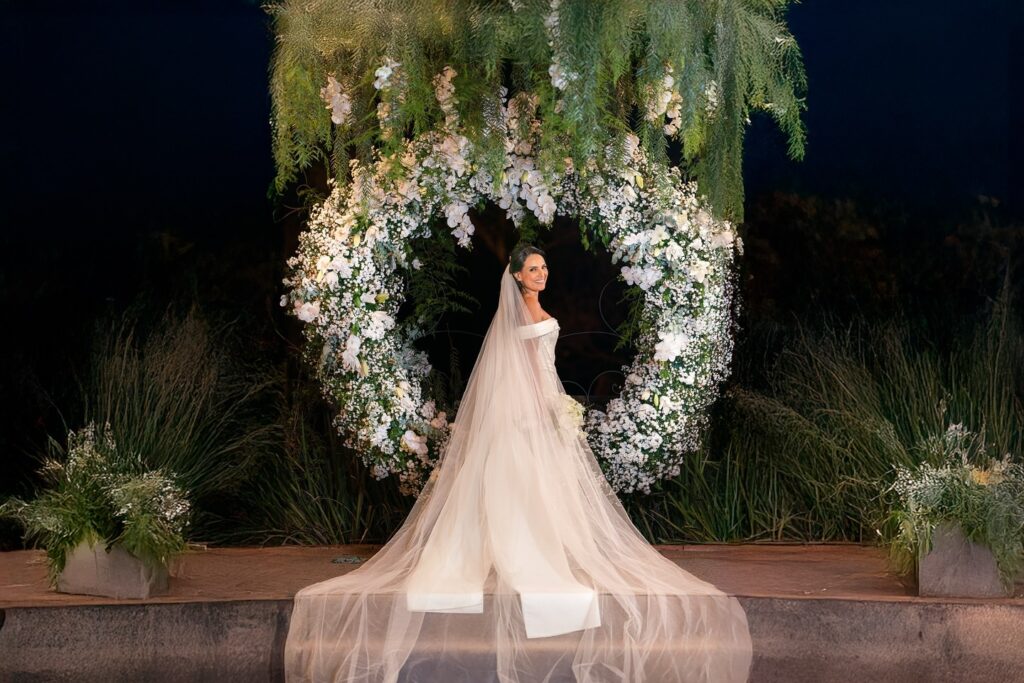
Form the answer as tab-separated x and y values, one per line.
181	399
809	456
315	491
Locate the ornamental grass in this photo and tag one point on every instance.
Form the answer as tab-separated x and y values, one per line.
809	457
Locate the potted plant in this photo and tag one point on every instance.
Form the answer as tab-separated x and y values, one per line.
109	525
959	518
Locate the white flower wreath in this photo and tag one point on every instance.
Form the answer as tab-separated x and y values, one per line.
347	284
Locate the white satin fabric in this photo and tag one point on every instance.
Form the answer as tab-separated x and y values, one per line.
517	563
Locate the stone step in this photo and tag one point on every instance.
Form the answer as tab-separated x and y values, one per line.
811	639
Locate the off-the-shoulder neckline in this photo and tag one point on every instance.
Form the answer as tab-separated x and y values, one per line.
539	322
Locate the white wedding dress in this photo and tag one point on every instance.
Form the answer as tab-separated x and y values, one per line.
517	562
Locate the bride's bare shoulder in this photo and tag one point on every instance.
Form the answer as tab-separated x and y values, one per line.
537	313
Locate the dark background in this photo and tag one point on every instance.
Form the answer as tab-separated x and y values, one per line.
136	164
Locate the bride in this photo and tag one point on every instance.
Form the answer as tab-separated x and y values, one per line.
517	562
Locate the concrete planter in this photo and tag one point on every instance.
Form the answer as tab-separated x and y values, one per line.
91	570
958	567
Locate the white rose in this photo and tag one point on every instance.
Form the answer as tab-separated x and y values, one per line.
308	312
414	442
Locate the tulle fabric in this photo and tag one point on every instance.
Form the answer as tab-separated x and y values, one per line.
517	562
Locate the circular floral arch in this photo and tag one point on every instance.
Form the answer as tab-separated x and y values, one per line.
347	282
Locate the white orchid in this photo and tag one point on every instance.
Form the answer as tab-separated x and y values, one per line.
409	189
383	74
699	270
558	76
337	101
674	253
659	234
644	278
350	356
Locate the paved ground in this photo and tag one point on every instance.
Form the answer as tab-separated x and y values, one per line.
843	572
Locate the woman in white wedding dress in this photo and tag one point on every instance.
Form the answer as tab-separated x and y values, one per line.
517	562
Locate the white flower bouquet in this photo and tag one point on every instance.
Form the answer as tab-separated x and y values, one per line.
571	415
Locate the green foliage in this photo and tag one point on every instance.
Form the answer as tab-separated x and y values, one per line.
100	493
982	495
809	457
180	400
432	287
616	50
314	491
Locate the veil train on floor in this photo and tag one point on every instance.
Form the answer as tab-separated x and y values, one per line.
517	563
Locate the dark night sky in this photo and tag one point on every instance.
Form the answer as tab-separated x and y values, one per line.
909	100
137	115
124	117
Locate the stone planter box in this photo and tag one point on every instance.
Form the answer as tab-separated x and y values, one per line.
958	567
91	570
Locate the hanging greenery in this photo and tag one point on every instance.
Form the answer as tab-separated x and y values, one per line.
353	78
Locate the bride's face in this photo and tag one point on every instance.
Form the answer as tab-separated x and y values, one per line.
534	275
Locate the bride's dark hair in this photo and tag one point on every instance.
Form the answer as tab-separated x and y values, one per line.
519	255
518	258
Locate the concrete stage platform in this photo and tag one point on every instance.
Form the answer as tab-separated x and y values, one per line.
816	613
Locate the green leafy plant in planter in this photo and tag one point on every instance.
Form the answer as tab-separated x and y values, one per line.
100	495
958	484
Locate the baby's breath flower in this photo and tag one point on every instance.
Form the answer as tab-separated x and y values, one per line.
347	279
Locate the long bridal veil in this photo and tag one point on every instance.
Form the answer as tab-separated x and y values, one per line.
517	562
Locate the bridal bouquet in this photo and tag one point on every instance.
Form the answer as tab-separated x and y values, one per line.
571	416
